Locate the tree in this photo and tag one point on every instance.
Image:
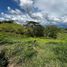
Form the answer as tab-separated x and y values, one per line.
34	29
51	31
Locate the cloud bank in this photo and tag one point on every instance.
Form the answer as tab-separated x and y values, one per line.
49	11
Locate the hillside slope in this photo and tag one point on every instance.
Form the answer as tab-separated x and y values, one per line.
21	51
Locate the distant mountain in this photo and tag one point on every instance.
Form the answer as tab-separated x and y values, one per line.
62	25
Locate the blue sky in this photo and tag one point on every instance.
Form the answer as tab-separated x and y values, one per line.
45	11
5	3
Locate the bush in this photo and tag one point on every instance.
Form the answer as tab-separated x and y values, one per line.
51	31
34	29
3	60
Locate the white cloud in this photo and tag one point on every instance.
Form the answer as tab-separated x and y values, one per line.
8	8
27	5
26	2
11	11
51	11
58	7
15	15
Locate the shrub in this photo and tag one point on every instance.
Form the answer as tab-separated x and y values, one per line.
34	29
3	59
51	31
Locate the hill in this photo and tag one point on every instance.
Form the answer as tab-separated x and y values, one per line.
19	50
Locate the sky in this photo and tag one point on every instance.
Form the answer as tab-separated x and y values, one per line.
43	11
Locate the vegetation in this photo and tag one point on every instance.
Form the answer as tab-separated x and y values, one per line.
3	60
20	49
34	29
51	31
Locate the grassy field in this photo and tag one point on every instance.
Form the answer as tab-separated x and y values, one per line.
21	51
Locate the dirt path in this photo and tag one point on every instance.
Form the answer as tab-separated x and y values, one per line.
11	65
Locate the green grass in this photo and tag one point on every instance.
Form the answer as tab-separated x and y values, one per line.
22	51
43	53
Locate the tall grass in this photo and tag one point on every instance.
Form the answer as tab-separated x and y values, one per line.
23	51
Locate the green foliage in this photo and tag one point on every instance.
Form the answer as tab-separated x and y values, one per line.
23	51
11	21
34	29
51	31
3	60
